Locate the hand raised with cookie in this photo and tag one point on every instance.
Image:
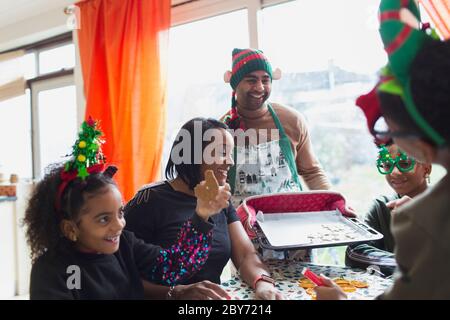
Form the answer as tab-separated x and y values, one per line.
211	198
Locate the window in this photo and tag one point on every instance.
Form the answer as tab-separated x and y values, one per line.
332	57
55	59
15	118
329	51
55	123
29	63
28	123
196	68
15	136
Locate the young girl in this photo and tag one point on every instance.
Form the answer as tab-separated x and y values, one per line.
407	177
78	245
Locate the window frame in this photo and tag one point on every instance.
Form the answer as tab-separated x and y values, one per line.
38	85
202	9
56	79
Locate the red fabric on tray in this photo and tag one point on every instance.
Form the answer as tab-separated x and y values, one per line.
288	202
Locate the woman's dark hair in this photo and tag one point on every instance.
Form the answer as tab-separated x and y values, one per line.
190	172
42	219
430	87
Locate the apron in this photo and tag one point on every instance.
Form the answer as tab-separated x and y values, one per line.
272	169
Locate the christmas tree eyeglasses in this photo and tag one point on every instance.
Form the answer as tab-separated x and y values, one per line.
386	163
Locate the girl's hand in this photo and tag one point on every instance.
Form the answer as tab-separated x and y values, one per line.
395	204
204	290
267	291
206	208
329	291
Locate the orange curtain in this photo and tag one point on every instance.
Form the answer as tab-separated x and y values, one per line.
123	45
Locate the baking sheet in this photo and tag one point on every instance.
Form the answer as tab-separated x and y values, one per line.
313	229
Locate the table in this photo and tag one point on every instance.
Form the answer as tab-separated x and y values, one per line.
287	273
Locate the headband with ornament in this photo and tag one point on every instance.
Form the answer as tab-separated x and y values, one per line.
386	163
87	157
401	33
370	103
245	61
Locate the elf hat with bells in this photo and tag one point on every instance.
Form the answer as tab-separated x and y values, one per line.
245	61
402	39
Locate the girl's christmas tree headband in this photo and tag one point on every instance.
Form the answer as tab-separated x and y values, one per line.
87	157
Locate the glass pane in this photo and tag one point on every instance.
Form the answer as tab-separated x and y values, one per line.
195	83
327	66
29	65
57	58
333	56
15	137
12	69
57	124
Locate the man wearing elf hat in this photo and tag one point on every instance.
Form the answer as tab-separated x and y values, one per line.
283	148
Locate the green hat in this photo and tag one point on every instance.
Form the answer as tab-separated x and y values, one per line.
403	40
246	61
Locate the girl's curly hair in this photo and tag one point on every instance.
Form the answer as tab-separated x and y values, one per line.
41	217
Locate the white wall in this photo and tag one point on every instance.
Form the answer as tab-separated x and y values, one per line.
15	264
7	256
22	257
34	29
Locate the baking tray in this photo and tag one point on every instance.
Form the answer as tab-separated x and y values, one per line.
302	230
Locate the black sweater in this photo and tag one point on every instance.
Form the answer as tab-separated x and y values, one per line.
157	211
118	276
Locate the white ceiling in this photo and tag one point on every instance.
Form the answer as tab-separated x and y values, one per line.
26	21
13	11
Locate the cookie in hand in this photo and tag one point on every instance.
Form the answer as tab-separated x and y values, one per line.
208	191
